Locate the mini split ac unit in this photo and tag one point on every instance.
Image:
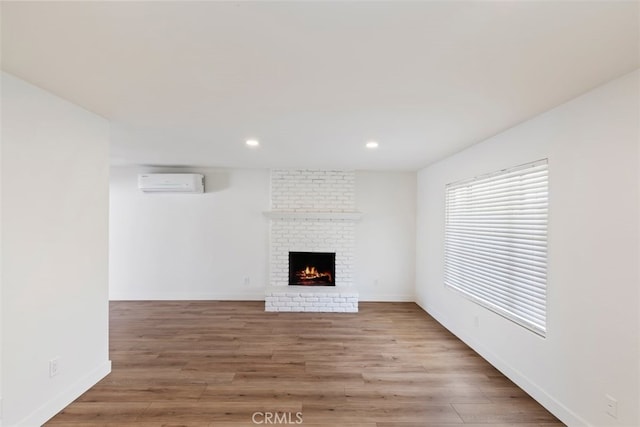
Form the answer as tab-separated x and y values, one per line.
171	183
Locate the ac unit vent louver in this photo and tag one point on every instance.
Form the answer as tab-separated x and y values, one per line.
171	183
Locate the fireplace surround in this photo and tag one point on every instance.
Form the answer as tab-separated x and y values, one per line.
312	211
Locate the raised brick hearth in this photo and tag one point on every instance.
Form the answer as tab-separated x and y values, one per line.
312	299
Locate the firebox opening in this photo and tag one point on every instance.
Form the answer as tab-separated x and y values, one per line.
312	268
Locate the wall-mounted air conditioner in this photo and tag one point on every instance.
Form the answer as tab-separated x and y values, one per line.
171	183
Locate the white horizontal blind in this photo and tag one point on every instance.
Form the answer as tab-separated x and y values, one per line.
496	242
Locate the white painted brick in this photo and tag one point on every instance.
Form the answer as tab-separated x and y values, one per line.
312	190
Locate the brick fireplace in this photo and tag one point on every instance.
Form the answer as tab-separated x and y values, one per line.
312	211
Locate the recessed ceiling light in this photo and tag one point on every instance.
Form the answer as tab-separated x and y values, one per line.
372	144
252	142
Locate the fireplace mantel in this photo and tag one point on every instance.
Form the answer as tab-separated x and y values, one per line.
338	216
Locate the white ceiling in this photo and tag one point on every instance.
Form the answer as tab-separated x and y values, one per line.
185	83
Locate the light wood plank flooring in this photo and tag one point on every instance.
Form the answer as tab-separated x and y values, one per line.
214	363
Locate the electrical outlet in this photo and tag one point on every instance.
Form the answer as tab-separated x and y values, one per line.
612	406
54	367
247	281
476	321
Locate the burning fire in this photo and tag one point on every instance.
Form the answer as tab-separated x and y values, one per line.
313	273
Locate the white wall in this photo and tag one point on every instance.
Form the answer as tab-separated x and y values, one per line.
386	236
189	246
203	246
54	251
591	348
1	257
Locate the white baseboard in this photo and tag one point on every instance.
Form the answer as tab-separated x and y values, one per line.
257	295
253	295
387	298
553	405
62	400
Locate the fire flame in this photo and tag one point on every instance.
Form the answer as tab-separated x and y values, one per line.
313	273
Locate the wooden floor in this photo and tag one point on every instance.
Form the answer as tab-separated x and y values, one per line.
222	364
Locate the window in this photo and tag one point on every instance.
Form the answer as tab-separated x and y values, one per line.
496	242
